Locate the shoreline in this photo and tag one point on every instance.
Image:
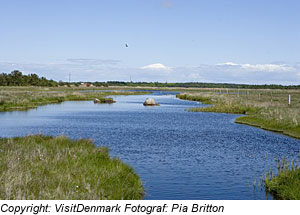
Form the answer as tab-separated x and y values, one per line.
46	167
239	120
22	99
251	116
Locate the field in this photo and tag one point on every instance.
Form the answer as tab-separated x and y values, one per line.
39	167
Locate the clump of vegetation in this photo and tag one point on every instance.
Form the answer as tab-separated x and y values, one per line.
266	109
42	167
286	184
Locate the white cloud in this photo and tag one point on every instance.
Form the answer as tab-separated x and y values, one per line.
227	64
259	67
266	67
157	66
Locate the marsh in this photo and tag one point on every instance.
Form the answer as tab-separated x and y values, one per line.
177	154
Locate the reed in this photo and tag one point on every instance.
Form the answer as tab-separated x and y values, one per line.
286	184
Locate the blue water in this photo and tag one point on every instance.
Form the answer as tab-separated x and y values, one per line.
177	154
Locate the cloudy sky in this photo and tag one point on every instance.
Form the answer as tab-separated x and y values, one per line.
249	41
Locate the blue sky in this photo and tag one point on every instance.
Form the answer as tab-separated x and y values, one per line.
237	41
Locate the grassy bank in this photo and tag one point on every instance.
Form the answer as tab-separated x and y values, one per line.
265	109
23	98
39	167
286	184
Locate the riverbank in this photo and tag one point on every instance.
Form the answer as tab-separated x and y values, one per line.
40	167
286	184
24	98
260	110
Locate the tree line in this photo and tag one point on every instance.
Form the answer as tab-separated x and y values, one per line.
16	78
193	85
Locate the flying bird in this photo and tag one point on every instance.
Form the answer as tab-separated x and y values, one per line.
126	45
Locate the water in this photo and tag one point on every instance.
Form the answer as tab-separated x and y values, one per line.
177	154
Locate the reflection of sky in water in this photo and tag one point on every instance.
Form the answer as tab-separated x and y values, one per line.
178	154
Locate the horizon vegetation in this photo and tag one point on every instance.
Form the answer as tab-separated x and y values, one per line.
17	78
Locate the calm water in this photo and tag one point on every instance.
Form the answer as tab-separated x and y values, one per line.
178	154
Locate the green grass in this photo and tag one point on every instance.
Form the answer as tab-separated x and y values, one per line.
42	167
265	109
286	184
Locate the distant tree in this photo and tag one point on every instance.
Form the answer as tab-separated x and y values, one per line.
16	78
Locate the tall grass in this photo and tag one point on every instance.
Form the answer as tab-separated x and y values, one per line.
40	167
286	184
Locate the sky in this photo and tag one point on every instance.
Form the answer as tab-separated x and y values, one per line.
232	41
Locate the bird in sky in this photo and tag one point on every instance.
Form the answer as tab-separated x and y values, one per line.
126	45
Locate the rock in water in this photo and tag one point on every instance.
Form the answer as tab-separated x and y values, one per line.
96	101
150	102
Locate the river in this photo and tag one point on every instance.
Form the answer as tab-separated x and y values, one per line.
177	154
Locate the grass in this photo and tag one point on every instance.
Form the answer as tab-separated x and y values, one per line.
267	109
23	98
42	167
286	185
